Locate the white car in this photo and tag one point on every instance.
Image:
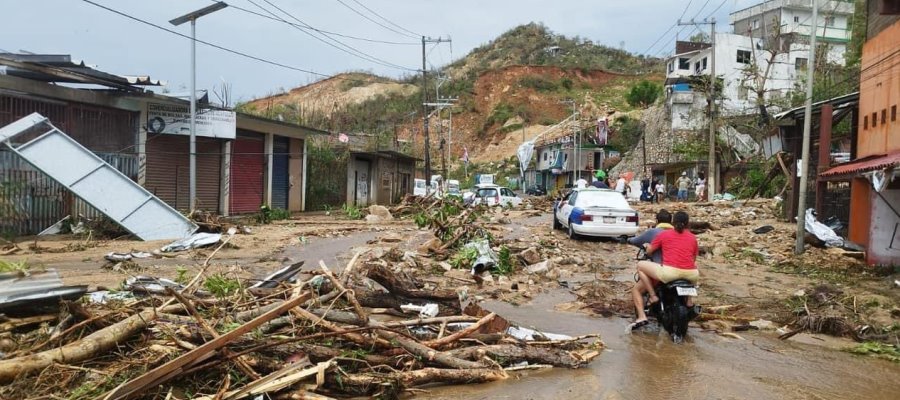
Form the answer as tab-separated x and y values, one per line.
595	212
494	195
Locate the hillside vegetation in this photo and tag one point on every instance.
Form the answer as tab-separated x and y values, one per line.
508	88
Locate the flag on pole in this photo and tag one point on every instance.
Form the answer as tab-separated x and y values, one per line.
465	156
602	131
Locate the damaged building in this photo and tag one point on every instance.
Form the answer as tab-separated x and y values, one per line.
243	161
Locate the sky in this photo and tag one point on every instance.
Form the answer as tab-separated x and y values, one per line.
119	45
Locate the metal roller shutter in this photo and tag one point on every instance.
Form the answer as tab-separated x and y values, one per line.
168	170
247	170
280	172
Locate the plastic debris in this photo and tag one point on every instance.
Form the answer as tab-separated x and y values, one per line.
192	242
821	231
429	310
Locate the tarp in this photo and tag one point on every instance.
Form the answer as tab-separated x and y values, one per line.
525	151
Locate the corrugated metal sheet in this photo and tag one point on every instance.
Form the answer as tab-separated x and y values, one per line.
168	170
280	172
98	183
100	129
31	201
247	171
850	169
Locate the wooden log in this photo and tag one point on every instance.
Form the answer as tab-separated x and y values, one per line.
14	323
91	346
462	333
367	385
318	353
172	368
508	354
421	350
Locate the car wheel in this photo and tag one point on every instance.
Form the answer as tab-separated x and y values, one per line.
571	232
556	224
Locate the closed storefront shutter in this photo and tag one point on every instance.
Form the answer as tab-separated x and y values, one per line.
168	170
280	172
247	172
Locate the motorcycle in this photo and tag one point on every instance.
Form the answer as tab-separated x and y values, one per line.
671	311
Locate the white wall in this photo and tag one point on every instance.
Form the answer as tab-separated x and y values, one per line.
782	75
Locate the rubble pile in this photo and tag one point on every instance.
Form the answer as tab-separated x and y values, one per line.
369	331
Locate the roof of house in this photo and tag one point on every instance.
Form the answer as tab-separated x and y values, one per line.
60	68
866	164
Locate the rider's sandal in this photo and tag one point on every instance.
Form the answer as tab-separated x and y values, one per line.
639	324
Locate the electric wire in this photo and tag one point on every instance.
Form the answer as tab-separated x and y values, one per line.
376	22
213	45
387	20
306	26
683	12
345	47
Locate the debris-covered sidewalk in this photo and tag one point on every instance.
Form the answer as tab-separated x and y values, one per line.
369	327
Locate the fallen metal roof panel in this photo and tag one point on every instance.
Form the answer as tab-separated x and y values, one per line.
96	182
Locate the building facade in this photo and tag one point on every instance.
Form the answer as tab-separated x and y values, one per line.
873	172
139	133
790	21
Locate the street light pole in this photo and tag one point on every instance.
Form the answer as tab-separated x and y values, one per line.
192	149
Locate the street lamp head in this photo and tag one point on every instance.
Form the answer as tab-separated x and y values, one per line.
193	15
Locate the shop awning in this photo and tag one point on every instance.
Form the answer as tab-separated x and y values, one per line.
855	167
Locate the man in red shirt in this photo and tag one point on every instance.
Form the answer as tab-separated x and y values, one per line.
679	253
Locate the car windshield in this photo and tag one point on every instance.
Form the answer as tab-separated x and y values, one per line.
590	198
487	192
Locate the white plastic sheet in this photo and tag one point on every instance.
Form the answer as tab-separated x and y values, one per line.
822	231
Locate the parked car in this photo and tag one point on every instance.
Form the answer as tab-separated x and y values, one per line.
595	212
536	191
419	188
494	195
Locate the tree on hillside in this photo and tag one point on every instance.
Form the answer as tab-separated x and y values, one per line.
643	94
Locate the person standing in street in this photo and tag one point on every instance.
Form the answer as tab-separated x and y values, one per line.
620	185
683	183
701	187
660	189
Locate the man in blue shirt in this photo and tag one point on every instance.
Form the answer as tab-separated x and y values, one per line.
663	222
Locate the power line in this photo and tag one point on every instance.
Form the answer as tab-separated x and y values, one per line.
700	10
668	30
387	20
220	47
376	22
717	8
347	48
321	30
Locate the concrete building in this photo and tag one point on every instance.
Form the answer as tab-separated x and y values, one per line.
379	177
736	57
142	134
556	164
791	21
875	164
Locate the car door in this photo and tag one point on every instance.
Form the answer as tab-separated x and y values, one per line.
565	209
508	197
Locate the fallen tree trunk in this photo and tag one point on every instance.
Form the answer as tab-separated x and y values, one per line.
407	292
89	347
394	383
508	354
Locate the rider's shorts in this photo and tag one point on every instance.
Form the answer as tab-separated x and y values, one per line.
669	274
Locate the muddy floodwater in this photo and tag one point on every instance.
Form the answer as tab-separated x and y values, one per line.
707	366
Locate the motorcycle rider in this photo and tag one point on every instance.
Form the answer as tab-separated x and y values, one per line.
679	253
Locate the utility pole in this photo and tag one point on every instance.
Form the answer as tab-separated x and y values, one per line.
807	121
575	172
192	147
711	162
426	40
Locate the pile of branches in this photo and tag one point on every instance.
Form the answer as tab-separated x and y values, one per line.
326	335
449	218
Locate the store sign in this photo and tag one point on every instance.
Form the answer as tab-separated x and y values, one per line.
175	119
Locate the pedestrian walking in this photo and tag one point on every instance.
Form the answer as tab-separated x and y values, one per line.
683	183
